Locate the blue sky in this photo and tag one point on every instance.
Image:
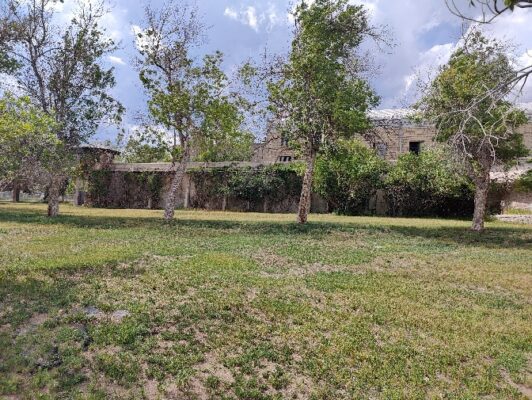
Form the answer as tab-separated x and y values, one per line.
424	31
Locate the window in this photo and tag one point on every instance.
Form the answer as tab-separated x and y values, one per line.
285	158
382	149
284	141
414	147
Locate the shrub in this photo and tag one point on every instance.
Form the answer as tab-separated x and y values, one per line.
428	184
348	174
524	183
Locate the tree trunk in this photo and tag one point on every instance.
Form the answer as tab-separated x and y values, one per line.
306	190
224	202
54	191
177	184
482	185
16	192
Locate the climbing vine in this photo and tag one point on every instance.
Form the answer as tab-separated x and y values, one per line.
254	185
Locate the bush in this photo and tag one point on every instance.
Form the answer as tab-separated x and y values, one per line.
524	183
428	184
348	174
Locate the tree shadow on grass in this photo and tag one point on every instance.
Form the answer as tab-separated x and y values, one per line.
494	237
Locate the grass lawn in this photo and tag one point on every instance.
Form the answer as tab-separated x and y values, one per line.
102	304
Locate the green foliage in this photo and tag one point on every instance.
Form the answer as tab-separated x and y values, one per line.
430	183
524	183
253	185
138	152
63	71
509	4
190	98
224	145
466	103
321	94
348	175
98	187
27	139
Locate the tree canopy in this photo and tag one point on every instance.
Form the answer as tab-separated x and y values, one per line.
468	103
28	145
321	95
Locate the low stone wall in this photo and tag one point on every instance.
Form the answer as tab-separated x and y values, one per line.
517	200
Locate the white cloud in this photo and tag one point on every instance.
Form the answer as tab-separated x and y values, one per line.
231	13
256	16
427	66
116	60
251	18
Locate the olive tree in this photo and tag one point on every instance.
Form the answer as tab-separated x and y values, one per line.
60	67
468	104
321	95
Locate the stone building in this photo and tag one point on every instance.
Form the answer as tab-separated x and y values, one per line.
394	134
274	149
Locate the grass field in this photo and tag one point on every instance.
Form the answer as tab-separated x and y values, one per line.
102	304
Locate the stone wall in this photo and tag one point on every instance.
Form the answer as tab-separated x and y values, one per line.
517	200
141	186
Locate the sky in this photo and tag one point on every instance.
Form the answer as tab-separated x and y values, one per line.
424	35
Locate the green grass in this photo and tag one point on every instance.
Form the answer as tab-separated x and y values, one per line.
252	306
518	211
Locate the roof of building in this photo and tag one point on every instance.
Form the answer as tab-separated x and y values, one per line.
390	114
513	174
95	146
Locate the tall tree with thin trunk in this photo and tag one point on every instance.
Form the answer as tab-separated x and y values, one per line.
322	94
60	67
187	97
468	104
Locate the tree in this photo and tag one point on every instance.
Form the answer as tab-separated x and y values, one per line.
60	68
485	10
189	98
28	146
321	95
231	145
468	105
136	151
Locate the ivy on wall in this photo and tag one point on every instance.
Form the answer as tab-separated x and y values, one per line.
252	185
143	188
98	188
